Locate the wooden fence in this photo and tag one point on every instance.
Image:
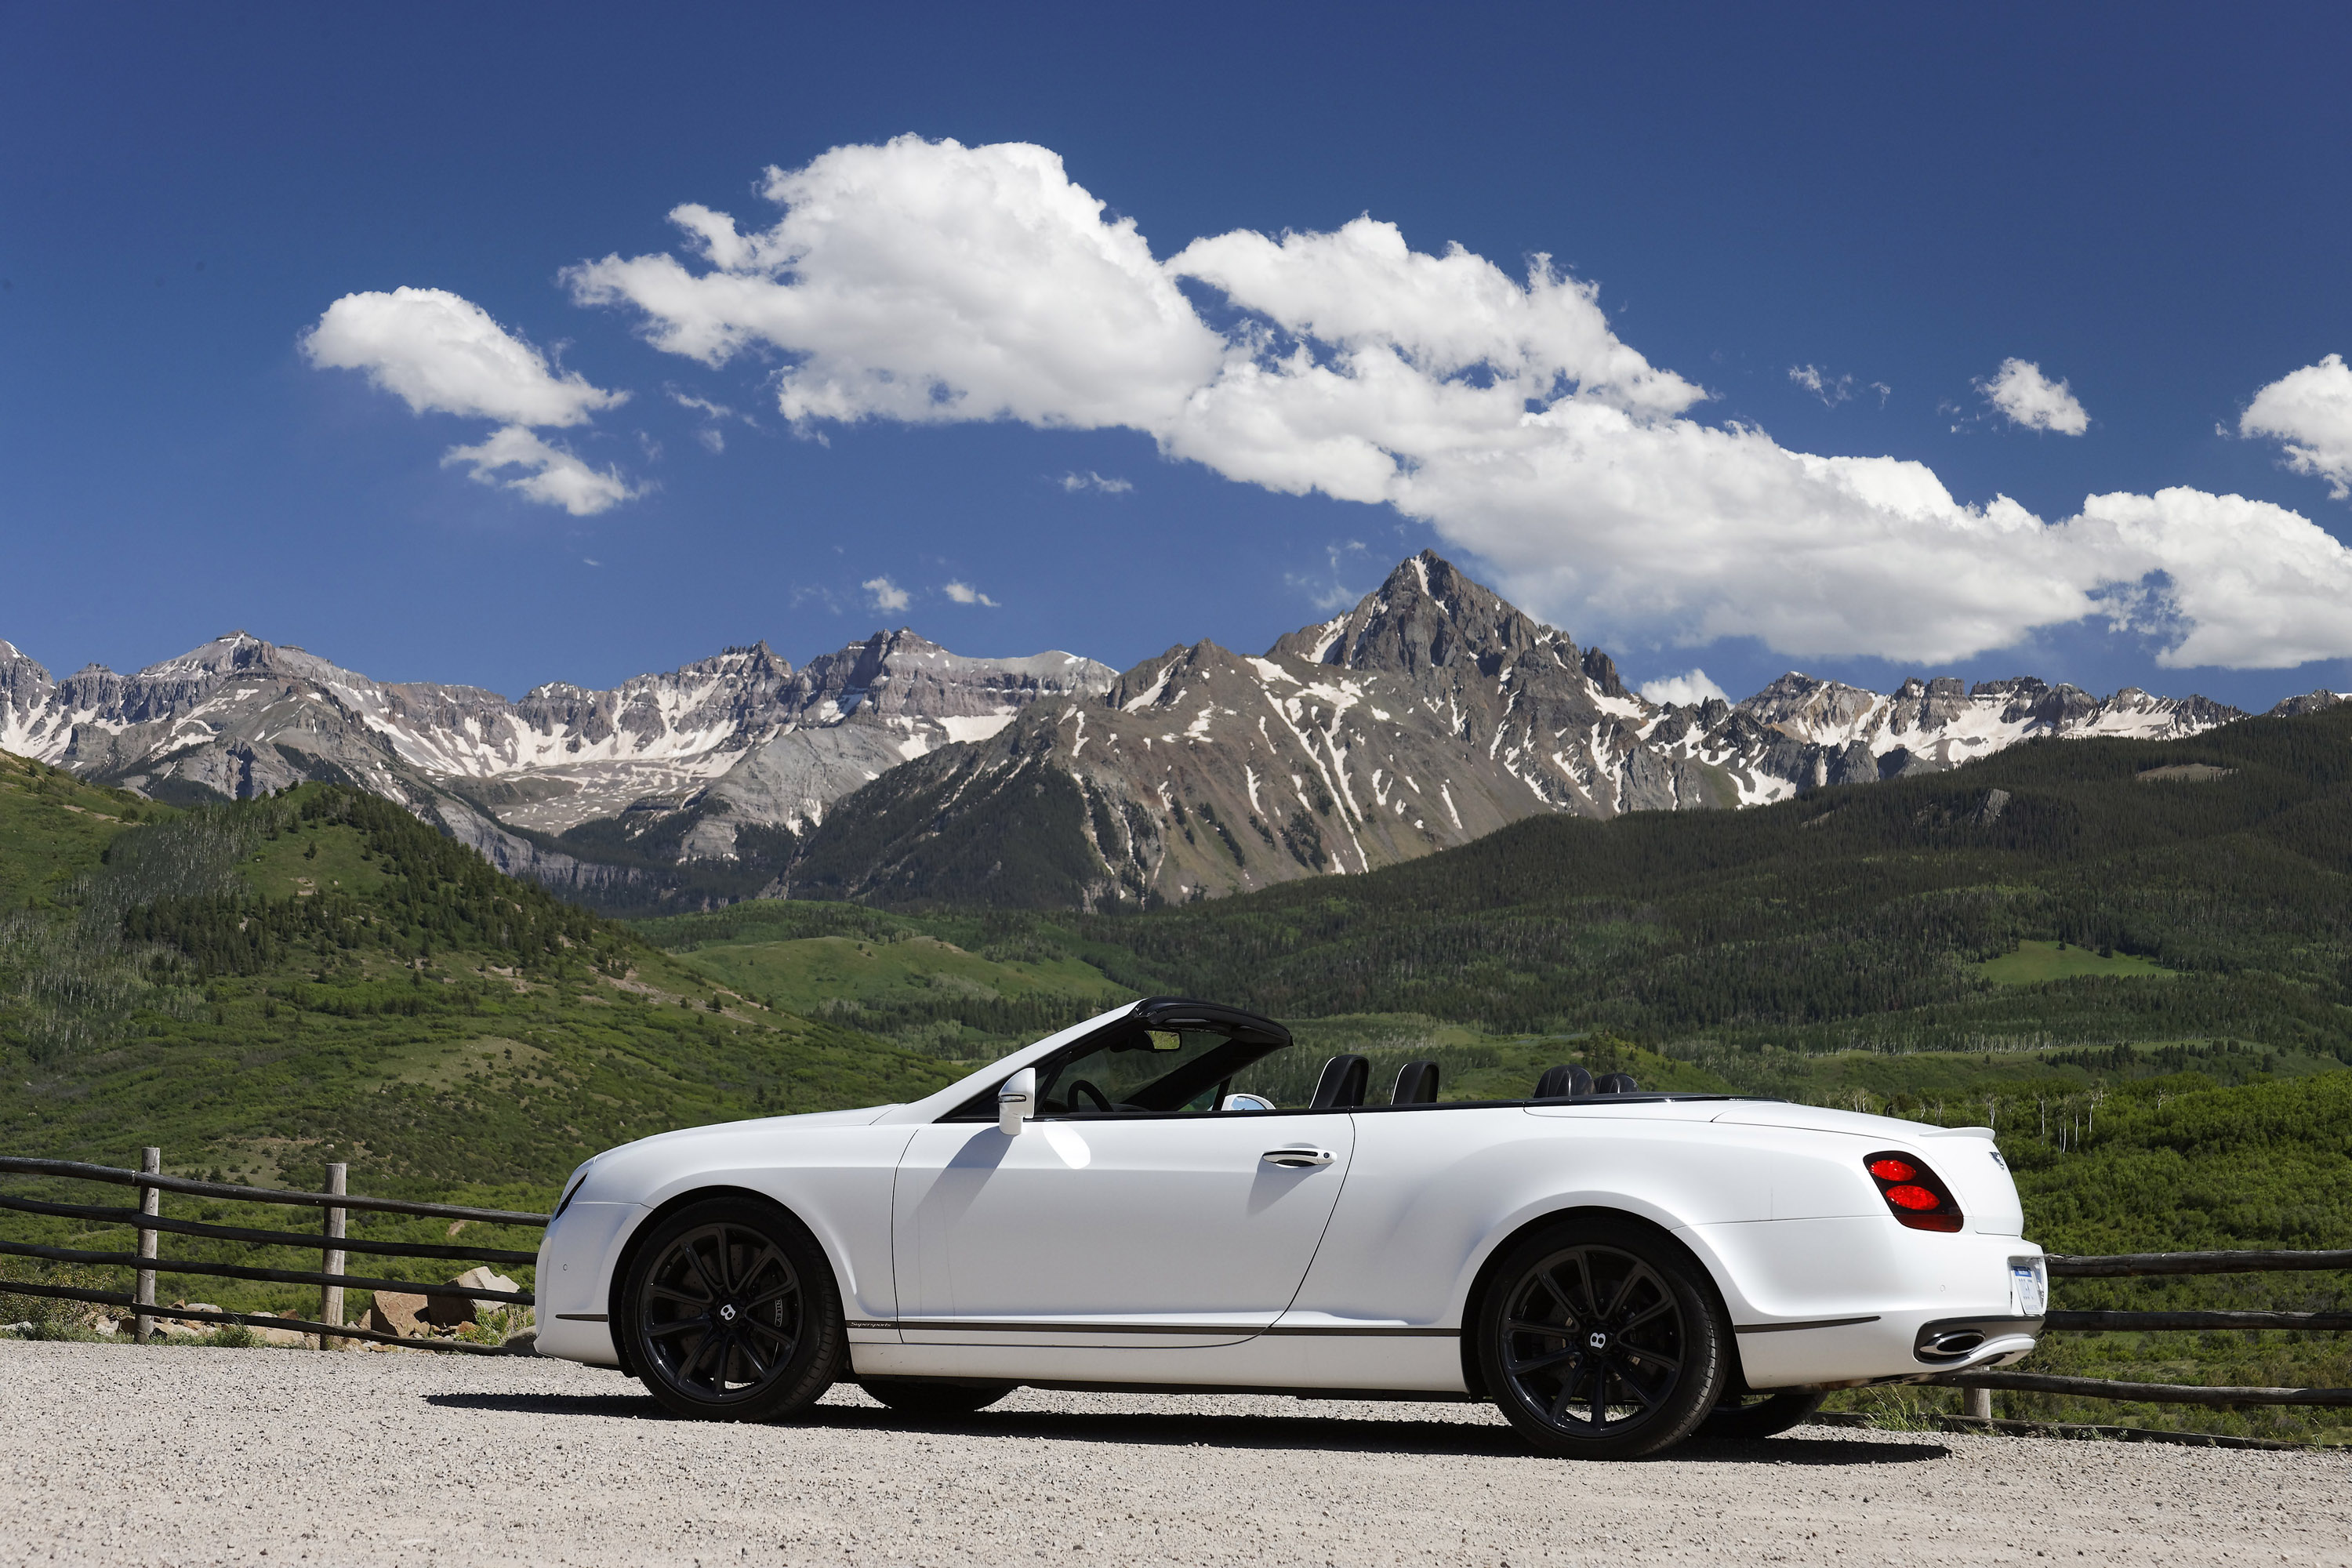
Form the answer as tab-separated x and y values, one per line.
331	1240
1981	1384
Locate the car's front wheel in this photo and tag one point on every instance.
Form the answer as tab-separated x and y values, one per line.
1600	1339
732	1314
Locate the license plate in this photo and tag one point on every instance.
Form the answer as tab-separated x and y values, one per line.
2031	1285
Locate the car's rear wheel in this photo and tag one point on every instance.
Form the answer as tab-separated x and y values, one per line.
1765	1415
1600	1339
731	1313
916	1396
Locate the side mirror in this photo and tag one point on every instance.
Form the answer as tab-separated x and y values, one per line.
1246	1102
1016	1101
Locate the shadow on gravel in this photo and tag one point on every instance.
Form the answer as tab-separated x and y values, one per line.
1297	1433
1816	1451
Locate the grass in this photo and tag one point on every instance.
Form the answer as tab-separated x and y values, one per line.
2038	963
52	826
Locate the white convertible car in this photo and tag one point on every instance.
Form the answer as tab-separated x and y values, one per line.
1154	1200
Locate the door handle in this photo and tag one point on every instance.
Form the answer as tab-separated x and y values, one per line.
1296	1159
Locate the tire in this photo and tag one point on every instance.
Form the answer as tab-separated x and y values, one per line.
914	1396
730	1313
1749	1417
1600	1339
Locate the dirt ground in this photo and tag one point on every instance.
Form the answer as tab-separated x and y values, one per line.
191	1456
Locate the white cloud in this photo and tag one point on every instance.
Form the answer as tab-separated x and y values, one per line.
928	282
2310	412
443	355
931	282
1834	390
1090	481
886	594
1689	689
2030	398
702	406
962	593
547	473
1811	378
715	440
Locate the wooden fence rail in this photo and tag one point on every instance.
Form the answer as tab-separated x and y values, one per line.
330	1241
1979	1386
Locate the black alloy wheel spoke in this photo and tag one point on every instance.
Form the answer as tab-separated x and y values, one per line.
1634	1276
656	1288
688	1364
725	1255
678	1326
778	1294
716	1286
1663	1305
1569	1316
753	1325
1521	1368
1569	1382
1666	1363
1584	1277
1632	1385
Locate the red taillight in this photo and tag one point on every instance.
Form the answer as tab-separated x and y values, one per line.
1914	1194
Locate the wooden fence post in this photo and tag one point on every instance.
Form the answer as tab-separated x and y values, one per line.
151	1202
1977	1402
330	1261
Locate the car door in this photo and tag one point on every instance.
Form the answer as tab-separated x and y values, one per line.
1138	1231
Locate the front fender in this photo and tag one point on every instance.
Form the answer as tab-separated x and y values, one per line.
833	1177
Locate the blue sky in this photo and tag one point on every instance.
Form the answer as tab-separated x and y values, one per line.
2147	204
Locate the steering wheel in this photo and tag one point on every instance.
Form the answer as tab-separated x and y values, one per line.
1079	1087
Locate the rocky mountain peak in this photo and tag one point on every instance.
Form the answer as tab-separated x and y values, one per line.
1428	614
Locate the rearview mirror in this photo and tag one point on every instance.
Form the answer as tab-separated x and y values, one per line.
1016	1101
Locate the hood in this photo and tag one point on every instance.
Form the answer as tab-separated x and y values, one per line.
864	1116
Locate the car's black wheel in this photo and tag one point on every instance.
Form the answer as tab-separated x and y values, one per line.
732	1314
1600	1339
1765	1415
915	1397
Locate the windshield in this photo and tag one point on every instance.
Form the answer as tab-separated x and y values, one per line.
1131	1070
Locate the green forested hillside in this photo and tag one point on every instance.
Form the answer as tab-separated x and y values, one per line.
260	988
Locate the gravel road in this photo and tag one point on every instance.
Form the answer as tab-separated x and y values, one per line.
185	1456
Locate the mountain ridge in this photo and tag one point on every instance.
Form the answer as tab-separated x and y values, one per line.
1431	712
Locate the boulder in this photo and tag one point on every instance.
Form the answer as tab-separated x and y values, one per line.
448	1311
397	1312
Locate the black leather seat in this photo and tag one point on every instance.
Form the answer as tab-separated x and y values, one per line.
1343	1083
1565	1081
1416	1084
